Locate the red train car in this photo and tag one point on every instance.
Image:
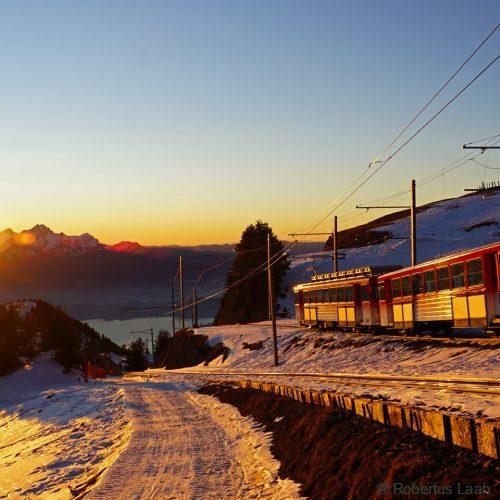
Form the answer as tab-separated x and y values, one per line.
456	291
346	299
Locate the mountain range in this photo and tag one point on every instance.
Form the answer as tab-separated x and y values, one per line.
41	240
90	279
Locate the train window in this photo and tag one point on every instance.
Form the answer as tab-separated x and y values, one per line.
406	286
429	281
396	287
364	293
457	275
349	294
324	295
373	292
381	291
334	295
475	272
443	278
341	294
416	283
306	297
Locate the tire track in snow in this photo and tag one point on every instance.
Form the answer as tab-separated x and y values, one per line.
188	446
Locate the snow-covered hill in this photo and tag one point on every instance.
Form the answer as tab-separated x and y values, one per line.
443	227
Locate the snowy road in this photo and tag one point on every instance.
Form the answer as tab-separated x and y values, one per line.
189	446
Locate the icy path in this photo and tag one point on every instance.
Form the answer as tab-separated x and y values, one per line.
189	446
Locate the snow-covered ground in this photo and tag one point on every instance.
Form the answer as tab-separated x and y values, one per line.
444	228
57	435
303	350
185	445
128	438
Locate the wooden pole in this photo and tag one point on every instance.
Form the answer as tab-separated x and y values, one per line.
173	307
335	252
271	300
181	281
195	310
152	346
413	224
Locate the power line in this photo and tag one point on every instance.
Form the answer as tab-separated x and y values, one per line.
431	100
419	113
428	122
377	169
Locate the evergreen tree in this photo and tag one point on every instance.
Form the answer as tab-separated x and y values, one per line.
65	339
248	301
137	355
9	359
161	342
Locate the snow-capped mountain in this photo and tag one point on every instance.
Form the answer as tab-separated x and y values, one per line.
41	240
126	247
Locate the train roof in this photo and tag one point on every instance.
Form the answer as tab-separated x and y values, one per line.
359	272
441	260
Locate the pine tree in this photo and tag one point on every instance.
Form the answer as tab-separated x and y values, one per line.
161	342
248	301
65	340
137	355
9	359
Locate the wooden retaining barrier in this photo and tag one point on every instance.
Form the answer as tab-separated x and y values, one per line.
476	434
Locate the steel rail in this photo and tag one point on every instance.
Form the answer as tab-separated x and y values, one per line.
487	382
435	386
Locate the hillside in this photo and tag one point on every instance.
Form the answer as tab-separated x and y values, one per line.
443	227
29	328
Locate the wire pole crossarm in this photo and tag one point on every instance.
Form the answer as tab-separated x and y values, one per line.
413	219
309	234
383	206
482	148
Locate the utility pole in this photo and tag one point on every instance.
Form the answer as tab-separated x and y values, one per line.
181	282
271	299
336	255
413	224
173	307
413	220
334	242
195	310
152	346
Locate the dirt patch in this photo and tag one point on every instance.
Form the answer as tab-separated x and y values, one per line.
334	454
296	342
422	344
484	223
253	347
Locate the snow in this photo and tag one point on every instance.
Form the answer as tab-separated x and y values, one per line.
22	306
128	438
187	445
57	435
310	351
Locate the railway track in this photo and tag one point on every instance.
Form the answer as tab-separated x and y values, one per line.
488	386
456	338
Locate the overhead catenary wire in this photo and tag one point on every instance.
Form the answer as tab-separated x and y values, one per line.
353	189
433	98
417	115
405	143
